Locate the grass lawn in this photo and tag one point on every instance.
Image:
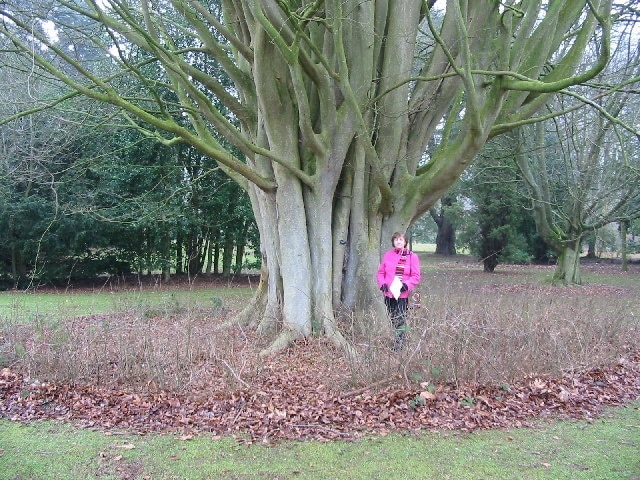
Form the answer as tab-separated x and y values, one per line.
60	305
605	448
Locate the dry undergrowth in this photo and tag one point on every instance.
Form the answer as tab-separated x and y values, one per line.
460	332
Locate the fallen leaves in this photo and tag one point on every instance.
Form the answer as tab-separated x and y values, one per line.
127	446
427	395
295	402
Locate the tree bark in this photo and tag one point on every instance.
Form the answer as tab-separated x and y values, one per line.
179	255
591	246
446	236
490	262
568	267
166	255
241	242
227	254
623	245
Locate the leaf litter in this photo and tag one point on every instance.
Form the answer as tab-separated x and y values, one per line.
295	401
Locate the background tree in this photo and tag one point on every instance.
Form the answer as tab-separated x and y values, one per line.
632	239
499	226
332	104
83	199
35	154
120	199
446	218
582	168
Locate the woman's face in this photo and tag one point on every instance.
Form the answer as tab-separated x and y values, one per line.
399	242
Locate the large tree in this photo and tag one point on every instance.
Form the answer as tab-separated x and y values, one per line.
342	109
583	169
580	180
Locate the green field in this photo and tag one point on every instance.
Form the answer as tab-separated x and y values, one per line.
60	305
603	449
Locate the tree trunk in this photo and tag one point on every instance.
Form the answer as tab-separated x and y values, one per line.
179	255
309	268
446	239
241	242
227	254
446	236
208	254
568	268
18	266
591	245
623	245
165	248
216	256
195	254
490	263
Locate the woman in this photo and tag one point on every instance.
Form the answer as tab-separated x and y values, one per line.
398	274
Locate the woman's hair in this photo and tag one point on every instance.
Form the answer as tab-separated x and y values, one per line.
396	235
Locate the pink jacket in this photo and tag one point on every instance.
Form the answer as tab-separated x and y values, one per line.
387	270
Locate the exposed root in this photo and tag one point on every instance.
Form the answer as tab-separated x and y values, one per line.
288	337
253	311
267	323
282	341
339	341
